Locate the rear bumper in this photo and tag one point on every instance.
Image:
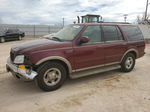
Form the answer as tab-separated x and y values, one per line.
22	74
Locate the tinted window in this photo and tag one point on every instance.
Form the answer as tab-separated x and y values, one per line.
15	30
133	32
9	31
94	34
12	30
112	33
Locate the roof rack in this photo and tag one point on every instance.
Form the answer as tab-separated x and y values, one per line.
115	22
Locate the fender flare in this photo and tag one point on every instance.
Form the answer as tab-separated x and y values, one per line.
130	50
56	58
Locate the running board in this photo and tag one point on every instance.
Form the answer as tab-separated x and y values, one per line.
93	71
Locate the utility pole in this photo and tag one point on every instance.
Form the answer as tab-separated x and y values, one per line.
34	30
145	18
125	17
63	21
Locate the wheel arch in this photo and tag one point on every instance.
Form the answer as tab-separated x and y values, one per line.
133	51
62	60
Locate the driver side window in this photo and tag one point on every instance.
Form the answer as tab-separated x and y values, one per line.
93	33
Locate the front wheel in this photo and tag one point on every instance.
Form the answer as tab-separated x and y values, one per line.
128	63
51	75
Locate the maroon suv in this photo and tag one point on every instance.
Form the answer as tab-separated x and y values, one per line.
75	51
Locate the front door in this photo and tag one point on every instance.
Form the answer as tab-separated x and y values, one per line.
90	54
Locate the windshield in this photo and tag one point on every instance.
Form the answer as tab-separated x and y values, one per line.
67	33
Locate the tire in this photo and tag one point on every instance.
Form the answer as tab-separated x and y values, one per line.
19	38
2	39
128	63
51	75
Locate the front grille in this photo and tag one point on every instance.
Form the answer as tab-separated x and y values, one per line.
12	56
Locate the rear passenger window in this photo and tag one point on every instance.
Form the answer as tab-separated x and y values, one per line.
133	32
112	33
9	31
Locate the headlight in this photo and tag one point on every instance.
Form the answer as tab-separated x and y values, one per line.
19	59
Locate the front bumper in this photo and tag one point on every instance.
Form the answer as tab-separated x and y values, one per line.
20	73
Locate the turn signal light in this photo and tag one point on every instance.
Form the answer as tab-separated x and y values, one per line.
21	67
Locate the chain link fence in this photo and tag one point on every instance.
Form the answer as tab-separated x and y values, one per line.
40	30
145	30
33	30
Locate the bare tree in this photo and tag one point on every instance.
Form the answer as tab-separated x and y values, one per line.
148	17
138	19
142	20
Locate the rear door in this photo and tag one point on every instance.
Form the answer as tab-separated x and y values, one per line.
115	44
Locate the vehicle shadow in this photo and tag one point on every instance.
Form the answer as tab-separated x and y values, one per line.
31	87
95	77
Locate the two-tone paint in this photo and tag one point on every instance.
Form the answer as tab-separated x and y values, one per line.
79	57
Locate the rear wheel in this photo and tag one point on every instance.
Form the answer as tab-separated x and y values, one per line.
2	39
128	63
51	75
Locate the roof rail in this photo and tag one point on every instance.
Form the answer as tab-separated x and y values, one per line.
115	22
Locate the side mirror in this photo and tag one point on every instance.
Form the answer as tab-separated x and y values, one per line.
84	39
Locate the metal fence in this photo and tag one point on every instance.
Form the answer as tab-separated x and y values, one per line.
33	30
40	30
145	30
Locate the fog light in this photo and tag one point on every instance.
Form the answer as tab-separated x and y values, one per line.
21	67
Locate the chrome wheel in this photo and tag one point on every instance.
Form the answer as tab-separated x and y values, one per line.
52	76
129	62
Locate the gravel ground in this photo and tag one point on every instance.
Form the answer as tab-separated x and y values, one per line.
112	91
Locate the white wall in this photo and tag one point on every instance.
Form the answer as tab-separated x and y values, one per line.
145	30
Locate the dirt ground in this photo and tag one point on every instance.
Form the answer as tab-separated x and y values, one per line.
112	91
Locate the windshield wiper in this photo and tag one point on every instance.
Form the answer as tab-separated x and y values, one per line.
56	38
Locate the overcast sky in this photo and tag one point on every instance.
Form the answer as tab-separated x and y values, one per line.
52	11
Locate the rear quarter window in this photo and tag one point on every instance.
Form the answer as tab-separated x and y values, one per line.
133	32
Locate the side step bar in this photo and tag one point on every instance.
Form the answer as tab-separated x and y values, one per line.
94	71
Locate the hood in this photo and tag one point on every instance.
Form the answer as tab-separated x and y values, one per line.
37	45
